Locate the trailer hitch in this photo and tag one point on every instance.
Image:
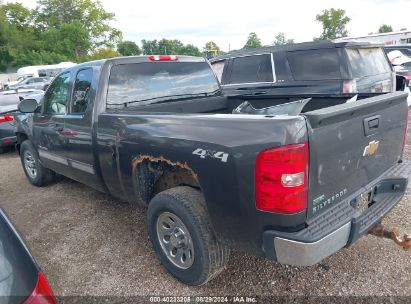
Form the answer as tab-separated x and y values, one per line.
392	234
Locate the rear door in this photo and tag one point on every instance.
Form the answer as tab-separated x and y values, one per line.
351	145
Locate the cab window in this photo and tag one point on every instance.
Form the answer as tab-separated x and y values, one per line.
81	92
251	69
55	99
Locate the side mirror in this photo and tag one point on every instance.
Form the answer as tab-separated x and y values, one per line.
28	106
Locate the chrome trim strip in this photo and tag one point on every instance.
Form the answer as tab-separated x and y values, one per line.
53	157
66	161
273	68
82	166
306	254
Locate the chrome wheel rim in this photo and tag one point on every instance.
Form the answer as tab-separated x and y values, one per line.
30	164
175	240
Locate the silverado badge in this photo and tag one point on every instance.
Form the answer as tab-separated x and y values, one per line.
371	148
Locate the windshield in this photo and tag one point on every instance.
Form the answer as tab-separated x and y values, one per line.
368	62
153	82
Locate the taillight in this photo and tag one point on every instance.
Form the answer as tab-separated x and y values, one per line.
42	293
6	118
163	58
349	86
281	179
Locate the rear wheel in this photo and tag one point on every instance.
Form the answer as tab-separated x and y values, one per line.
35	172
182	236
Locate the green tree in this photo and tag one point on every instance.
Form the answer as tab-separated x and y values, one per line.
252	41
91	14
104	53
71	40
334	22
149	47
211	49
128	48
190	50
385	28
17	15
281	40
169	47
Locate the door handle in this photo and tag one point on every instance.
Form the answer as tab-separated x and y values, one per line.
372	125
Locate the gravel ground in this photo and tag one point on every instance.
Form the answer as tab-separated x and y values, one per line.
87	243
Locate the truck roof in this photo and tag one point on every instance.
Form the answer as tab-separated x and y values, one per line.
136	59
296	47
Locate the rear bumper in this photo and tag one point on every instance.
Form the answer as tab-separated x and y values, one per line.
341	225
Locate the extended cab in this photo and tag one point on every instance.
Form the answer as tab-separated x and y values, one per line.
279	182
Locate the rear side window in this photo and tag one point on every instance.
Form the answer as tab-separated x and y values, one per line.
218	68
251	69
321	64
368	61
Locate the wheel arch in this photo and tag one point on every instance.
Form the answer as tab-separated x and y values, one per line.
21	137
152	175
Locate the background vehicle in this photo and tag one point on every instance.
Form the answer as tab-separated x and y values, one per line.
8	107
390	38
38	83
216	172
405	49
401	61
21	280
14	82
305	68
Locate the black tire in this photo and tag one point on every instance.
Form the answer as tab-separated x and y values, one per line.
210	256
42	176
1	150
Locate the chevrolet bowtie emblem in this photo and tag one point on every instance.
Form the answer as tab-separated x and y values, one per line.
371	148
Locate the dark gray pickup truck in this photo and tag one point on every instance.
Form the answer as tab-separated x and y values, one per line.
292	185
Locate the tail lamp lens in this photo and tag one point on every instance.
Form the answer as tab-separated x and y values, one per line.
281	179
42	293
6	118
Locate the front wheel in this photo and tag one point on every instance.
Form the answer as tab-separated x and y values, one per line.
35	172
182	236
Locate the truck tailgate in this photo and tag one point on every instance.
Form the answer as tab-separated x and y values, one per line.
351	145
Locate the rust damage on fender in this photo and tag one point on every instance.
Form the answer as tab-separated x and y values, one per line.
152	175
392	234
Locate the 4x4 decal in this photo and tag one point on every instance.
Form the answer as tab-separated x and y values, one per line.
210	153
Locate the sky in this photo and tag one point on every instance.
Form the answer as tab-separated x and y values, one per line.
228	23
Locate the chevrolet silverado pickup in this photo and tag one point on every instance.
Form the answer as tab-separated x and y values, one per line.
217	173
